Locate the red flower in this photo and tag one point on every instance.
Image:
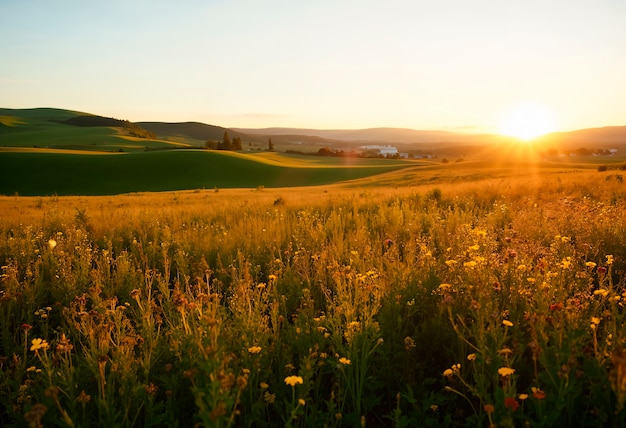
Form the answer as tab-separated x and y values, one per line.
511	403
538	393
556	307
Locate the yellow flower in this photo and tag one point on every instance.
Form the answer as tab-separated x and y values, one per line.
448	372
264	385
471	357
39	344
601	292
51	244
595	320
294	380
523	397
590	264
505	371
345	361
254	349
272	277
301	402
505	351
609	259
507	323
444	286
474	248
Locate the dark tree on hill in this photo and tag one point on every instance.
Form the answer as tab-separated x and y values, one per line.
237	144
225	144
270	146
210	144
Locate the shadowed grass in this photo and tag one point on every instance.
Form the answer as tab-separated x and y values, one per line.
67	174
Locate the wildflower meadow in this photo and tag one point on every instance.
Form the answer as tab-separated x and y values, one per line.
489	303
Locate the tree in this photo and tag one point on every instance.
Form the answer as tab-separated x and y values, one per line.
237	144
270	146
225	144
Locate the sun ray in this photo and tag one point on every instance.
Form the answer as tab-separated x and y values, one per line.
527	122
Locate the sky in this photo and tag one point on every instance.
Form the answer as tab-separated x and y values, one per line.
456	65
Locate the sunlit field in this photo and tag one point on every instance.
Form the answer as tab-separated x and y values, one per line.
459	298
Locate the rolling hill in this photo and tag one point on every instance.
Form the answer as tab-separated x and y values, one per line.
41	153
34	172
66	129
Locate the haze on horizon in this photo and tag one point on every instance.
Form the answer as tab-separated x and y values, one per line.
447	65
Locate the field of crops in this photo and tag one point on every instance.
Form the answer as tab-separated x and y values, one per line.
491	302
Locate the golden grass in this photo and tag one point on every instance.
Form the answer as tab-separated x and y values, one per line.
10	121
57	151
445	303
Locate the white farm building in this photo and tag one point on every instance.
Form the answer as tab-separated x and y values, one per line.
383	150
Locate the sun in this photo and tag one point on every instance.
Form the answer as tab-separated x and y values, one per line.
527	122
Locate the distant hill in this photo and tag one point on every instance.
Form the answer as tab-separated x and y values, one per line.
371	135
90	120
590	137
195	133
71	130
41	113
193	130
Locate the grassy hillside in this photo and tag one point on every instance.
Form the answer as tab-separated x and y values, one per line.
41	128
41	173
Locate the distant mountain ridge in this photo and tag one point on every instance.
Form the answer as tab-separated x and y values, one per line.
372	135
614	136
592	137
193	130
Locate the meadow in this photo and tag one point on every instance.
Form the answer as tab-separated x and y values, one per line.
472	297
32	172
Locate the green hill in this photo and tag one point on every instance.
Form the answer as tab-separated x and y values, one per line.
54	128
41	173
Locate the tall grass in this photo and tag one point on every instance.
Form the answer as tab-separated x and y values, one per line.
495	302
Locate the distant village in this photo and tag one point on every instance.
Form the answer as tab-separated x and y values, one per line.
391	151
370	151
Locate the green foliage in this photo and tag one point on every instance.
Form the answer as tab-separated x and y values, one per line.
91	120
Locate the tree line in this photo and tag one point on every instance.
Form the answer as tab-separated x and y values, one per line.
133	129
234	144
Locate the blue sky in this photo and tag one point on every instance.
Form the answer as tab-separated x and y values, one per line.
318	64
